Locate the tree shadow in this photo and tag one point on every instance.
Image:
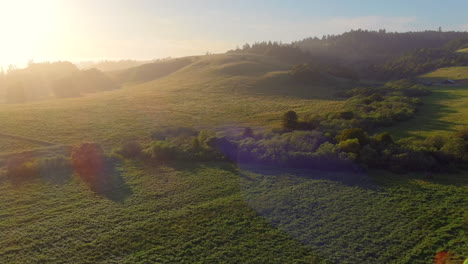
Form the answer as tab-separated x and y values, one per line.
108	182
429	117
352	178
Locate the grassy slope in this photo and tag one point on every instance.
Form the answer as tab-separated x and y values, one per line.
213	213
454	73
444	111
463	50
213	91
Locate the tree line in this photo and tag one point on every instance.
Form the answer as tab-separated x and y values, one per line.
61	79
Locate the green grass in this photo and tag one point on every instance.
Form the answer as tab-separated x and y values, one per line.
444	112
454	73
199	94
193	213
8	145
463	50
213	213
376	218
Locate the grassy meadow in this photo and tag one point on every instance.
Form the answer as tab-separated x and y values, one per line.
190	96
454	73
219	212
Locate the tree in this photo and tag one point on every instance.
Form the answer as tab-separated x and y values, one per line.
290	120
352	133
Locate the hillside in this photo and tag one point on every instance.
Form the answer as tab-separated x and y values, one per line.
454	73
444	111
152	210
191	95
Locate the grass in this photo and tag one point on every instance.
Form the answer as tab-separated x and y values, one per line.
376	218
463	50
216	213
454	73
200	94
445	111
8	145
164	215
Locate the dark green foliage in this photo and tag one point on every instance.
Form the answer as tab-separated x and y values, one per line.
420	61
287	52
354	133
289	120
384	138
130	149
163	151
455	148
463	134
25	168
347	115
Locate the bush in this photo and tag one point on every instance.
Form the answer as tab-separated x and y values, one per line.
454	148
350	145
384	138
88	161
163	151
352	133
22	168
130	149
463	134
289	120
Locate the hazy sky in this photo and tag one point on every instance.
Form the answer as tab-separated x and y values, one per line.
146	29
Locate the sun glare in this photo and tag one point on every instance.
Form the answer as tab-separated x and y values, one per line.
27	28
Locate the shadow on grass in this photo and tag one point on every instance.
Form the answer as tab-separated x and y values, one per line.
109	183
348	178
428	118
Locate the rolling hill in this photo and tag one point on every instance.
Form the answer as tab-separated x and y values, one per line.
191	95
218	212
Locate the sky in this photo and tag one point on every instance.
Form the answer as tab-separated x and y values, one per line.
80	30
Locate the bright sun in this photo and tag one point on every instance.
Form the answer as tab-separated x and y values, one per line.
28	28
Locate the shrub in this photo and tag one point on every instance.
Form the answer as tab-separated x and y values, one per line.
437	141
347	115
454	148
130	149
463	134
163	151
384	138
289	120
22	168
352	133
88	160
350	145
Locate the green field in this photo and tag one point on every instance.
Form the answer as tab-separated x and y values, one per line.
194	95
454	73
444	111
217	212
463	50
